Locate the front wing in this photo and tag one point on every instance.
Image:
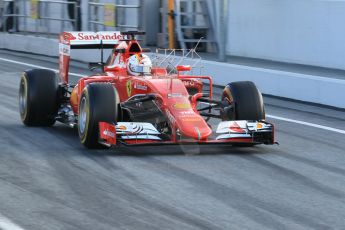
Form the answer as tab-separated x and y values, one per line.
227	132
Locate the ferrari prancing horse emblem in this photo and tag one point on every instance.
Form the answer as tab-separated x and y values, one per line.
129	88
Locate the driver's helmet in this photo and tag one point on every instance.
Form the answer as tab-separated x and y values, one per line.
139	64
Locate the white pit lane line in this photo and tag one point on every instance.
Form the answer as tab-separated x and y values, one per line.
6	224
267	115
37	66
307	124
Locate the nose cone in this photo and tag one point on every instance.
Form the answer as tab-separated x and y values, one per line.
191	124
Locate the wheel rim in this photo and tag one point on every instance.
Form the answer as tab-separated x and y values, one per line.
82	115
23	97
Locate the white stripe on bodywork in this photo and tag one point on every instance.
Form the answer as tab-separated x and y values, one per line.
233	135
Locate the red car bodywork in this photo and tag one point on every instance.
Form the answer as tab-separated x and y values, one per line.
171	90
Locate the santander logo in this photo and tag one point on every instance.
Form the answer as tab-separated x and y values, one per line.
108	133
111	36
69	36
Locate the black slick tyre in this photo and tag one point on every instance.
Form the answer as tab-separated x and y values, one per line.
246	99
98	103
38	97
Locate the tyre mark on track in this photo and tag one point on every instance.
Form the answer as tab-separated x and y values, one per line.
142	202
321	140
243	202
313	163
305	181
58	203
9	105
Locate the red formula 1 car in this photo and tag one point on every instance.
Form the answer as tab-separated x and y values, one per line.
133	102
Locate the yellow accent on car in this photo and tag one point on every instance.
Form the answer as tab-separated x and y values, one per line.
181	105
129	88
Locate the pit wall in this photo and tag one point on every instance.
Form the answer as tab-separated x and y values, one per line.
315	89
306	32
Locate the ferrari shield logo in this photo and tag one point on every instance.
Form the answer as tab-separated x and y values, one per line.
129	88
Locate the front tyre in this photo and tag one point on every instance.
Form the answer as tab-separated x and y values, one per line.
98	102
246	101
38	97
246	104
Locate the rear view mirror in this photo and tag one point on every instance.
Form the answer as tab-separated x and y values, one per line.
113	68
183	68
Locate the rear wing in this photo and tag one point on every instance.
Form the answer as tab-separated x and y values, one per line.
83	40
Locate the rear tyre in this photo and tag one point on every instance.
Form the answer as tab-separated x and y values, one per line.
98	102
246	100
38	97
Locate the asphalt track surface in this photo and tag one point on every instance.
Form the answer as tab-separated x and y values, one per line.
48	180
